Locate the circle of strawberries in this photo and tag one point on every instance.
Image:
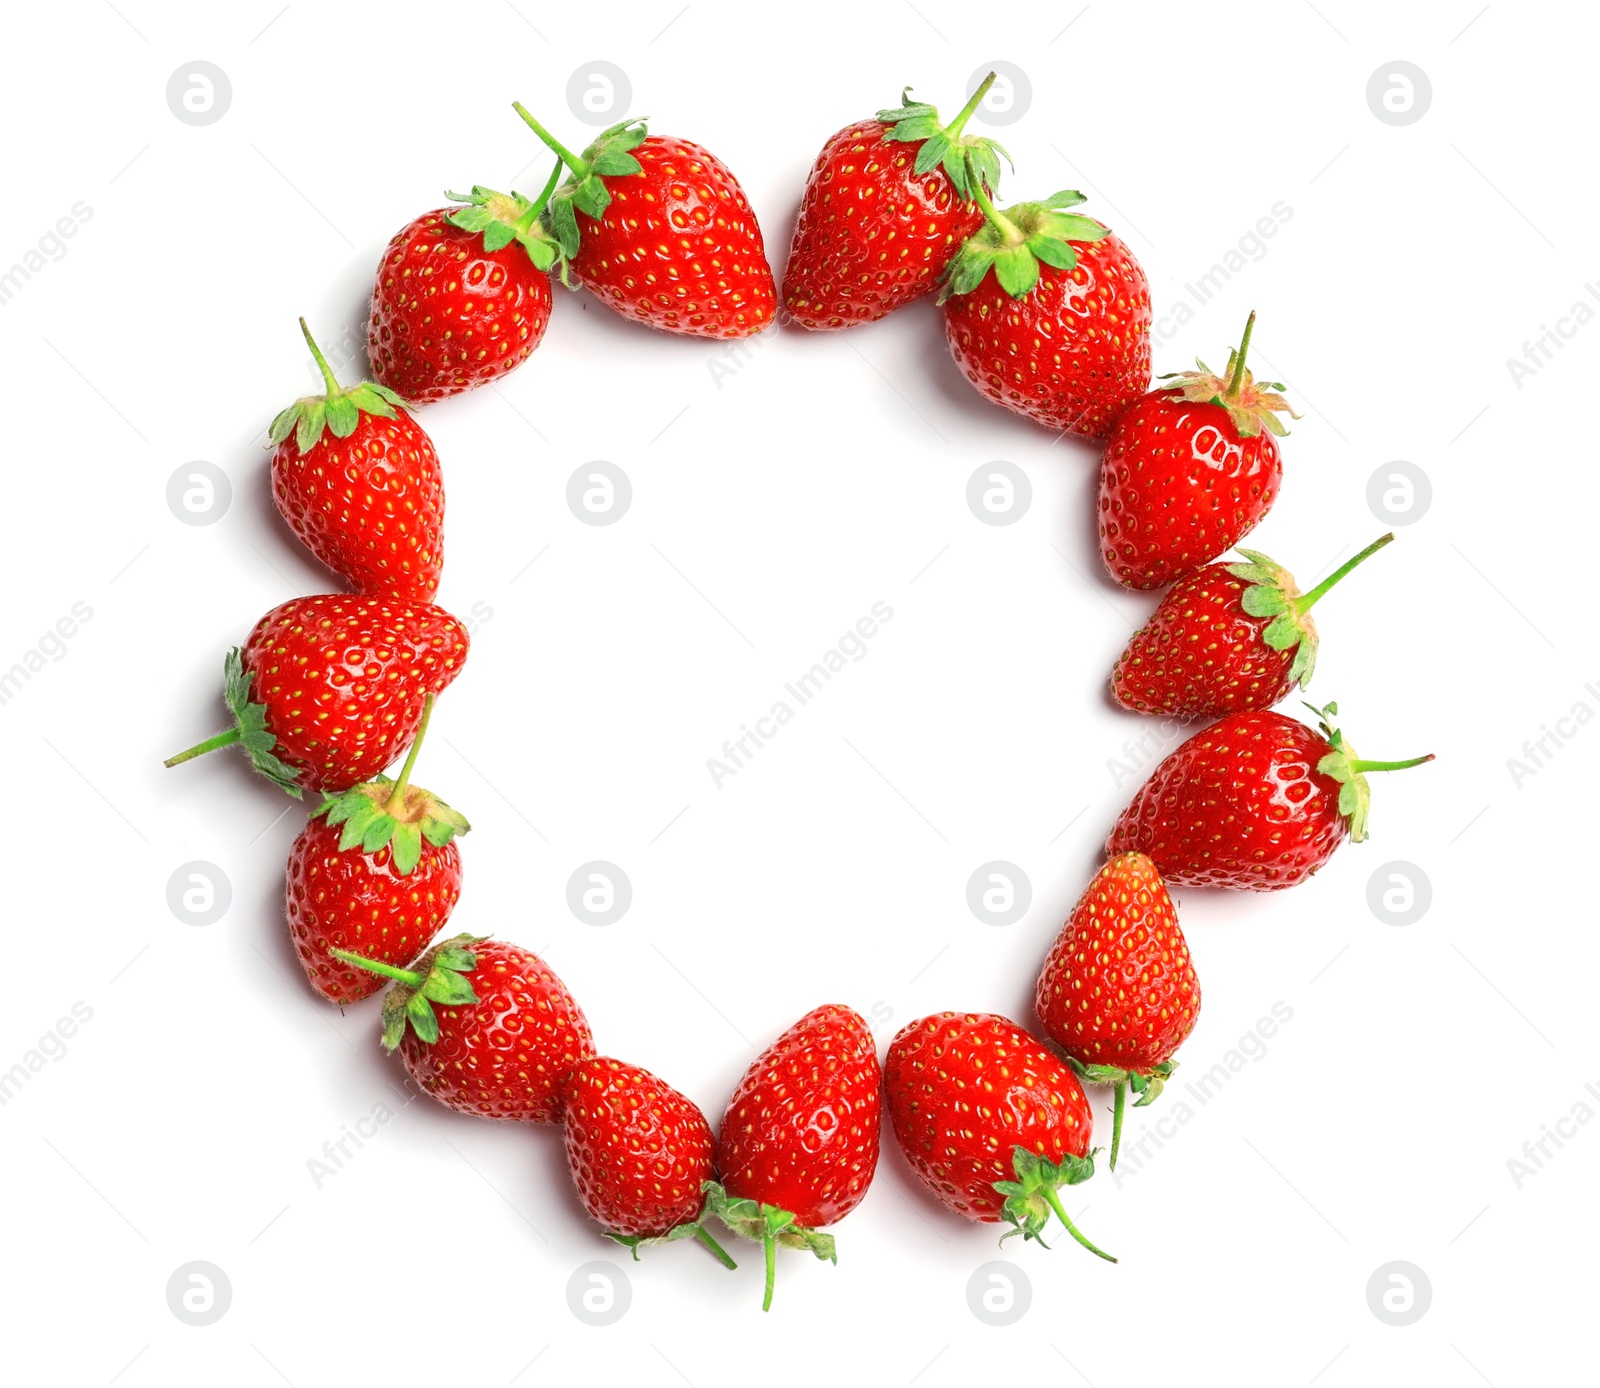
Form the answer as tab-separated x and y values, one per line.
1048	314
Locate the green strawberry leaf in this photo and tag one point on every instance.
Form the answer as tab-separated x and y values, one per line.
251	720
1017	241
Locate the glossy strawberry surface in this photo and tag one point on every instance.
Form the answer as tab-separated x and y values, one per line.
1179	485
639	1151
358	902
1201	655
448	315
678	248
965	1089
802	1129
1073	353
1118	987
872	234
370	506
1240	804
508	1054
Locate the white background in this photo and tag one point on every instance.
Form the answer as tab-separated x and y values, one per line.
770	513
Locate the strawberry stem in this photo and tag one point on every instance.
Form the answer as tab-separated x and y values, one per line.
954	129
542	201
1055	1204
396	802
702	1235
579	168
377	966
1236	381
334	388
771	1246
1118	1103
1361	767
1003	223
1307	601
211	744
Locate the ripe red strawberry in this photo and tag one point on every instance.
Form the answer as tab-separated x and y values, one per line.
640	1154
462	295
375	872
1118	992
328	690
1060	332
1228	638
359	484
1189	471
886	208
484	1027
799	1142
989	1120
1255	802
667	236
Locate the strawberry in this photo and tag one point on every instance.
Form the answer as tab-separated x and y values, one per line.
375	871
1255	802
799	1141
989	1120
667	236
640	1154
1118	992
462	295
887	206
328	690
358	482
1189	471
1227	638
1060	331
484	1027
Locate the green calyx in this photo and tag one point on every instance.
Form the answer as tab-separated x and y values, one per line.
249	730
585	190
968	160
1147	1084
1251	404
693	1230
1273	593
769	1226
339	409
1342	764
439	976
395	813
372	820
507	217
1032	1198
1016	241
